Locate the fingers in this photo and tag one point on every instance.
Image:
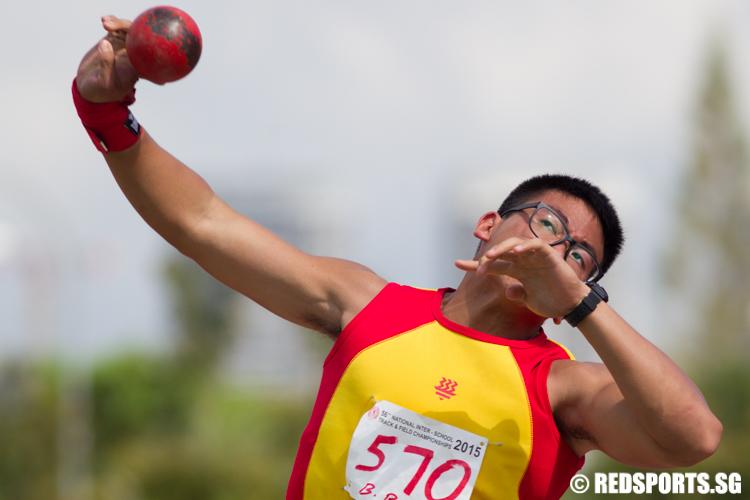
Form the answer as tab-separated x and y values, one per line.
516	246
105	73
505	252
502	247
467	265
112	23
488	262
107	58
516	292
499	258
494	267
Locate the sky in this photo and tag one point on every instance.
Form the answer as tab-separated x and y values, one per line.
390	110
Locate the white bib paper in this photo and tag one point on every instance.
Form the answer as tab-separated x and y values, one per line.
397	453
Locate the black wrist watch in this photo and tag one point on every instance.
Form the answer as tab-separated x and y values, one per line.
588	305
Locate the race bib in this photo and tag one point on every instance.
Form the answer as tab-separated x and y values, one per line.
397	453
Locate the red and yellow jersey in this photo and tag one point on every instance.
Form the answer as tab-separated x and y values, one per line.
402	349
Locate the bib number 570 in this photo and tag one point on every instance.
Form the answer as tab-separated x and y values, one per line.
426	455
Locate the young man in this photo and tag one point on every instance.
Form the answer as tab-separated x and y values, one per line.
440	394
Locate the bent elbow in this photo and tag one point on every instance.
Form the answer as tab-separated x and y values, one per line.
710	439
702	446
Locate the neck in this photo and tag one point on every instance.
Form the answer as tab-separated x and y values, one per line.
481	304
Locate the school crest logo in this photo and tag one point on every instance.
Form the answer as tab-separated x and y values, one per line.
446	388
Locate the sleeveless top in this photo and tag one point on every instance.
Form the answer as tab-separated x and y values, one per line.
401	348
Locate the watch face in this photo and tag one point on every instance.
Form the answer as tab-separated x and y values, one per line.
597	289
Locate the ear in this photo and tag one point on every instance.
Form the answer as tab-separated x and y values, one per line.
484	227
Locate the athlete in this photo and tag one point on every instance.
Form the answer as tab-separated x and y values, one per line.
450	394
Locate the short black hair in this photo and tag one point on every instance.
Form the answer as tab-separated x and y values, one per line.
532	188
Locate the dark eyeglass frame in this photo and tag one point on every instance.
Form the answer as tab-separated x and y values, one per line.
568	238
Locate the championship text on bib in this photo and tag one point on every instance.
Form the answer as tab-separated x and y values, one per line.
397	453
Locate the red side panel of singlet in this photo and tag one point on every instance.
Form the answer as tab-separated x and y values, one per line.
552	462
408	309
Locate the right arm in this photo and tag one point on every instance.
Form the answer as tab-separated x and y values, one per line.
316	292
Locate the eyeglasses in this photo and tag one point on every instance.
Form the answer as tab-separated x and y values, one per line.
549	227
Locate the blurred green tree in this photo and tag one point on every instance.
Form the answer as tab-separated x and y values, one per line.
203	312
710	267
28	431
708	271
167	428
164	426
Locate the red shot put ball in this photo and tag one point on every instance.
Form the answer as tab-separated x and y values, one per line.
163	44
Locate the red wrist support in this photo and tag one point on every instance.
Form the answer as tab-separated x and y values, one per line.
111	125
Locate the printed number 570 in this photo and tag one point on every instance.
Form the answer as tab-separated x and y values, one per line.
426	455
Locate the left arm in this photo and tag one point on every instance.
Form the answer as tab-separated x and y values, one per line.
638	407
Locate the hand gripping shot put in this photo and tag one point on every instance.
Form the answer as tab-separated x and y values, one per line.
450	394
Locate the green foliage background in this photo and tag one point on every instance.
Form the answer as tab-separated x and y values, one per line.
164	427
709	274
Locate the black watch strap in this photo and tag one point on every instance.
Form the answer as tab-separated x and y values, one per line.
588	304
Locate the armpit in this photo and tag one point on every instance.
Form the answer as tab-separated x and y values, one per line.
321	325
574	431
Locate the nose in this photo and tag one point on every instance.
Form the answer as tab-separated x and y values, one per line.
562	248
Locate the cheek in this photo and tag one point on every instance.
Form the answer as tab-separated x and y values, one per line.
518	228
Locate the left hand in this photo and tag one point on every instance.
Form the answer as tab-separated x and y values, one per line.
548	286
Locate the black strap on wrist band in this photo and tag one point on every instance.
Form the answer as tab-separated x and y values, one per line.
588	304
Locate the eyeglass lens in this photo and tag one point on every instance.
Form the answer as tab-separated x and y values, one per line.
548	227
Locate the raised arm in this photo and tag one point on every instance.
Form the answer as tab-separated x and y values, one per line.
317	292
638	407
